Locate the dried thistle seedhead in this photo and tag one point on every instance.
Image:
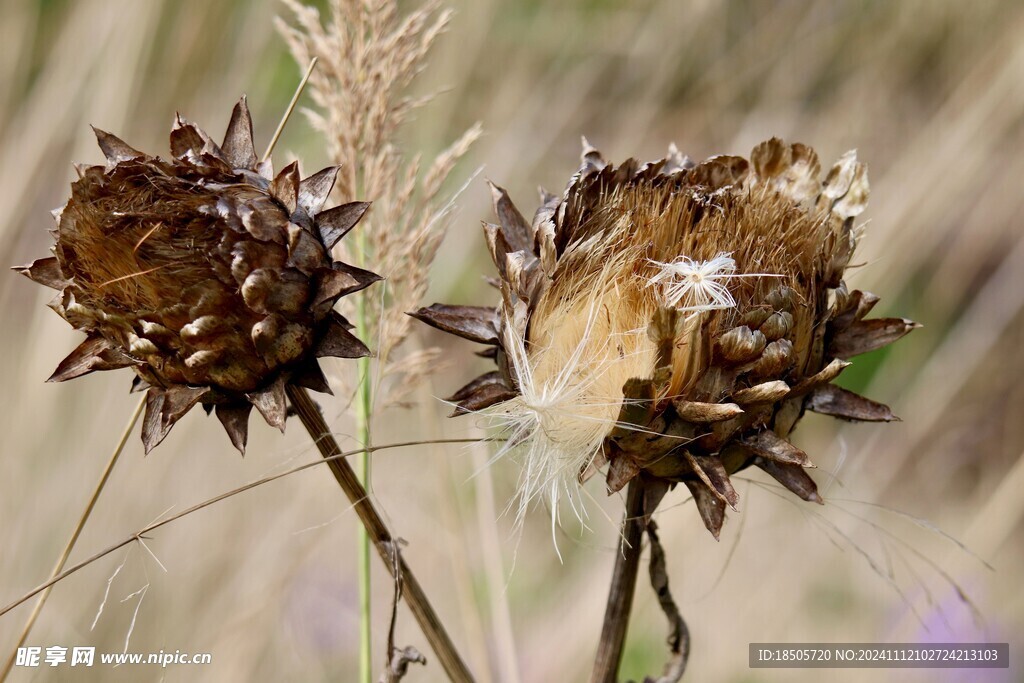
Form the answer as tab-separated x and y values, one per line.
206	274
674	320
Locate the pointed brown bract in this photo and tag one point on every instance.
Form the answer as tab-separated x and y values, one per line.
674	320
792	477
514	228
710	507
770	445
314	190
272	403
869	335
476	323
339	342
335	223
238	146
44	271
838	402
312	377
114	148
285	187
235	419
483	392
95	353
154	428
212	282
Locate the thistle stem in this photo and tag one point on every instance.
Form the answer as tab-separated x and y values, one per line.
69	546
363	409
620	594
382	539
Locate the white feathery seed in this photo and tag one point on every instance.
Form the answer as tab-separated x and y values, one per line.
697	286
569	402
694	286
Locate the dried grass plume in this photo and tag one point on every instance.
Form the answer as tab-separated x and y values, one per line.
369	54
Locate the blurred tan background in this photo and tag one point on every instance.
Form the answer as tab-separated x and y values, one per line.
930	92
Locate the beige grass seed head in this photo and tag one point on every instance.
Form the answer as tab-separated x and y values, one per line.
370	52
206	274
674	320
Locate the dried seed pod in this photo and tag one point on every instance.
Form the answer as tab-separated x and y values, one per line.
775	361
667	304
777	325
740	344
206	274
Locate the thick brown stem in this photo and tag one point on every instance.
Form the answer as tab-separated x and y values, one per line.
378	532
620	594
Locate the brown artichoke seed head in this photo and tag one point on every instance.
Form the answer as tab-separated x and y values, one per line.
208	276
695	310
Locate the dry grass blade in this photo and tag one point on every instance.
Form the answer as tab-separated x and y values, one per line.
325	437
70	545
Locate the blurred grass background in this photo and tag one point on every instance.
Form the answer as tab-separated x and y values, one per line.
931	92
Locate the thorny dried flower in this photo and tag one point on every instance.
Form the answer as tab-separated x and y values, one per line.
206	274
369	54
674	321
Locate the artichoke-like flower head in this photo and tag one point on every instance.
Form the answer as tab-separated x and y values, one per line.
674	320
206	274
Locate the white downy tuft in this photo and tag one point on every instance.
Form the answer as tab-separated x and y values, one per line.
698	286
558	423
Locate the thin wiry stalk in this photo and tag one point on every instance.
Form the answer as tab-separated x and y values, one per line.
82	519
290	109
141	533
364	408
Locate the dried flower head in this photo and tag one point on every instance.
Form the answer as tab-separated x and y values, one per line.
206	274
674	321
